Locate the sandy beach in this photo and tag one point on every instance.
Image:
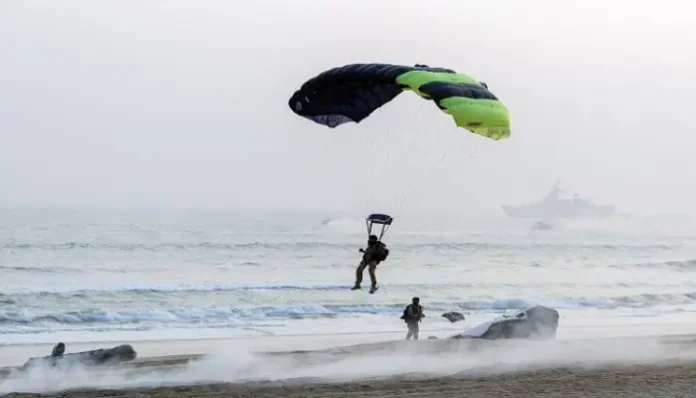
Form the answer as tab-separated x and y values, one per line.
637	381
618	367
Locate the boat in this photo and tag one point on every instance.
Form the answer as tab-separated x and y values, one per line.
556	205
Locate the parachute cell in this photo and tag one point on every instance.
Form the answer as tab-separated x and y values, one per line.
351	93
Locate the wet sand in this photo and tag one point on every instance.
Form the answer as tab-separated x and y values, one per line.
637	381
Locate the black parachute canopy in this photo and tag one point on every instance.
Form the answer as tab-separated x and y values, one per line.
350	93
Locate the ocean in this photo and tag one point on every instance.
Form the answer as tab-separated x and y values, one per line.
88	275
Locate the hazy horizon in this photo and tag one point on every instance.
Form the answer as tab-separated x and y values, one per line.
184	105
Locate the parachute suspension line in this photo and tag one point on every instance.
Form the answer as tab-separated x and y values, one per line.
408	164
381	175
429	180
349	93
421	179
426	182
335	153
391	169
390	174
371	188
407	188
409	195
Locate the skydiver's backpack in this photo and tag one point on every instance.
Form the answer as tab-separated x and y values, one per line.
382	252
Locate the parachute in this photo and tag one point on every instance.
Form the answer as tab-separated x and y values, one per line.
352	92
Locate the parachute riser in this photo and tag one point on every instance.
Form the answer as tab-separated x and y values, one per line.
384	230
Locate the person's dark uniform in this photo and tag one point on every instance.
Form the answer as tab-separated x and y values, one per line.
412	316
375	253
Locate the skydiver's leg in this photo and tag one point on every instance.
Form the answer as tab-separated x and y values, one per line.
359	274
371	270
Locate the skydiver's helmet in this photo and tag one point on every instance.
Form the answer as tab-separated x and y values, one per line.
372	240
415	300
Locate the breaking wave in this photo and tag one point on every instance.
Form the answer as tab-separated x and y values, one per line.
26	321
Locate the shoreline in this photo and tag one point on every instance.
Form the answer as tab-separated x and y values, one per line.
566	331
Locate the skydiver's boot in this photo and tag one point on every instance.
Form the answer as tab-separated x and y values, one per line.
355	287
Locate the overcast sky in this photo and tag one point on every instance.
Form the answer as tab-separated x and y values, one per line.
184	103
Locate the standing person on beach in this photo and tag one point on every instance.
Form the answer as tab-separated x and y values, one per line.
412	316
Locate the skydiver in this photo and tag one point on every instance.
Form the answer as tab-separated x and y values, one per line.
375	253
